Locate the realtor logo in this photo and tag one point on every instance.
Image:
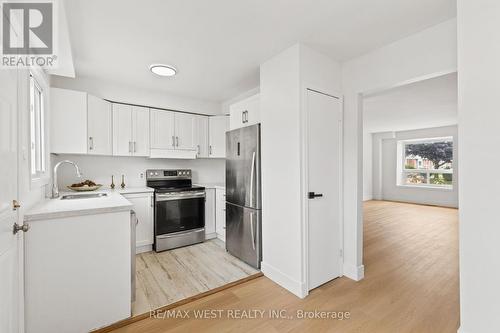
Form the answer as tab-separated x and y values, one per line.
29	34
35	28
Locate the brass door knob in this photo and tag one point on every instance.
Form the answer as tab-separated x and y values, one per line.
15	205
24	228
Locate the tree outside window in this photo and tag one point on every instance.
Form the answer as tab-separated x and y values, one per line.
428	162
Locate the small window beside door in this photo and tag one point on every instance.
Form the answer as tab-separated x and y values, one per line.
37	130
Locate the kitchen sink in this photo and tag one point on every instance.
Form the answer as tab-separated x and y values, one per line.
83	196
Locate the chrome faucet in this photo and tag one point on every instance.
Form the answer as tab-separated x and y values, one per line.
55	188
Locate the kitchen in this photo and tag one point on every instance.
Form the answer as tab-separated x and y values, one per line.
196	154
169	168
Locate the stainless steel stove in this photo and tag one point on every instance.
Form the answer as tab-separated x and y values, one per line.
179	210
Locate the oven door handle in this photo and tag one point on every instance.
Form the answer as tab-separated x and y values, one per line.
169	197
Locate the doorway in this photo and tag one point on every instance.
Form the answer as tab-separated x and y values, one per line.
410	193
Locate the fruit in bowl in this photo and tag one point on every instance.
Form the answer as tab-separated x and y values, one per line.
86	185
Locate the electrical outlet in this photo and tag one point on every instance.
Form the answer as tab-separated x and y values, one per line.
141	175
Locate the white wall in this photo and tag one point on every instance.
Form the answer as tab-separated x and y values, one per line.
282	80
127	93
367	166
240	97
479	135
100	169
281	216
388	155
429	53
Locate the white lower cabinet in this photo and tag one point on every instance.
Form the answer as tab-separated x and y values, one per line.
210	213
220	213
77	272
143	207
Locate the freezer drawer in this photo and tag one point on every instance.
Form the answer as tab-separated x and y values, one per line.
243	234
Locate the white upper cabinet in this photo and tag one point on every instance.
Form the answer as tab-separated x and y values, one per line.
130	130
217	128
122	130
99	127
140	131
184	131
84	124
172	134
245	113
201	136
80	123
68	125
162	129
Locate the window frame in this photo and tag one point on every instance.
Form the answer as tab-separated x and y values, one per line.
41	177
403	171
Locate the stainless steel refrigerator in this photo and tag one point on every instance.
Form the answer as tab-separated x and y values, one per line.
243	195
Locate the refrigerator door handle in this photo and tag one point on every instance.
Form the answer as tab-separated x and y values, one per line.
252	176
252	232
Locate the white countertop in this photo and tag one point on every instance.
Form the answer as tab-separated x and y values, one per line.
57	208
128	190
212	185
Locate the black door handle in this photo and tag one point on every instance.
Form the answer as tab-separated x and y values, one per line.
313	195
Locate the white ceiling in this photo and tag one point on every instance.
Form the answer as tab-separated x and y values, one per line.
217	45
425	104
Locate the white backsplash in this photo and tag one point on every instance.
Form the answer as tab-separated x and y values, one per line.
100	168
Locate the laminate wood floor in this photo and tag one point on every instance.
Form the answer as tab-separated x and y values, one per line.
167	277
410	285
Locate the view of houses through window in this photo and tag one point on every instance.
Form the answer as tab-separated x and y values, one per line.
428	162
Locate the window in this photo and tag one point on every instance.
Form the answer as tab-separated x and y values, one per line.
427	162
37	129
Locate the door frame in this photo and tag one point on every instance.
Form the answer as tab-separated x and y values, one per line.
304	181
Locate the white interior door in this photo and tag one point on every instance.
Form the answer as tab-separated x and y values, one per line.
11	261
324	160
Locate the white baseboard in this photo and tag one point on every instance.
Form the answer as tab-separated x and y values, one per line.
211	235
355	273
143	248
295	287
460	330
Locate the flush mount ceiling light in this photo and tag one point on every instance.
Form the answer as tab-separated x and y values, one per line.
163	70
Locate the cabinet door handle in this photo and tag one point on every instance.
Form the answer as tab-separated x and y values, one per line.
243	117
173	141
135	146
210	150
130	146
177	141
198	150
91	143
